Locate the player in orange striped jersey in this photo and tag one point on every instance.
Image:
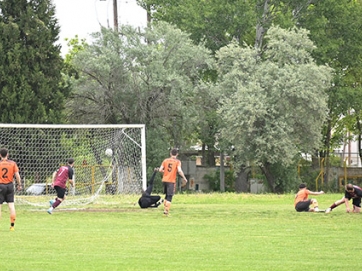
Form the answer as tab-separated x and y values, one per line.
301	201
8	169
170	167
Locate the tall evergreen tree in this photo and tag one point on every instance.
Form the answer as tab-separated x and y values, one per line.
30	63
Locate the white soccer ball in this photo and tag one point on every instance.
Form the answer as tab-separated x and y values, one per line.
109	152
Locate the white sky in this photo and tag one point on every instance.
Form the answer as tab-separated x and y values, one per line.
82	17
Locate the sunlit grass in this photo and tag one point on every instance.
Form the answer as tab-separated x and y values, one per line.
205	232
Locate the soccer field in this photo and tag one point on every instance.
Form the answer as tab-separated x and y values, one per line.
204	232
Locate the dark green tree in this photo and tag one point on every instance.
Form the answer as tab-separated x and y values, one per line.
335	29
31	86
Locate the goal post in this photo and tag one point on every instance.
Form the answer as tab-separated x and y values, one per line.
41	149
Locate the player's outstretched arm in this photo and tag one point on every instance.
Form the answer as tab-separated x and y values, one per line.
316	193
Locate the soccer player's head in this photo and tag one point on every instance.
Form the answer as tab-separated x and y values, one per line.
70	161
174	152
3	152
349	187
302	185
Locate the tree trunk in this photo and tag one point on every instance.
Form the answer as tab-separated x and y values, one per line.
222	172
266	169
261	26
327	144
242	180
203	154
211	158
359	128
315	160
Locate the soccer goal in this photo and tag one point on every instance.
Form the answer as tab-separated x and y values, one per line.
109	159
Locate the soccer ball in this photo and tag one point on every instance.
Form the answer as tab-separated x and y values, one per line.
109	152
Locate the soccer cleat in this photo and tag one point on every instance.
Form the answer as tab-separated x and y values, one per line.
12	229
316	209
51	202
328	210
50	211
166	214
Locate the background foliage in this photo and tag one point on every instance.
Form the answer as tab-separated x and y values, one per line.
164	76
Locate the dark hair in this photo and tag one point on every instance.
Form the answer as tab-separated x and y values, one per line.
349	187
3	152
70	161
302	185
174	152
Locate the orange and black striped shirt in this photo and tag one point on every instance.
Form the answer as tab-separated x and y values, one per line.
7	171
170	166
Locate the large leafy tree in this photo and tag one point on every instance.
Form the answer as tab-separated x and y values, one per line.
273	105
30	63
335	29
216	23
149	76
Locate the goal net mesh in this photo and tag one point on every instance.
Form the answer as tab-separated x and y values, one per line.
39	150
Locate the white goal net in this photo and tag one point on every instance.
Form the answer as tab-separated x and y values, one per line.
39	150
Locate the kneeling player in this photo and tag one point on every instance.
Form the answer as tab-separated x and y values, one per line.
351	192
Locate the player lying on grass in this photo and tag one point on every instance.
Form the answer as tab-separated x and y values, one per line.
146	200
301	201
351	192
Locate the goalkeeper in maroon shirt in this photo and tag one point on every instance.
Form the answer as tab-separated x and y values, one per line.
146	200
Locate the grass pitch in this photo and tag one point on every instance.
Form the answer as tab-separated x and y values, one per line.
204	232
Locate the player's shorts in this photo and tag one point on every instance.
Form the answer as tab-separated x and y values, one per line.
7	192
60	191
357	202
303	206
168	188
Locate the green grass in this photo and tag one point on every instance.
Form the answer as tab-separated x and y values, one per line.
205	232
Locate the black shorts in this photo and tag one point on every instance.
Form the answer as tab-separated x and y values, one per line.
7	192
169	188
303	206
60	191
357	202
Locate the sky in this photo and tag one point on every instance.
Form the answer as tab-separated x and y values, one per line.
83	17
